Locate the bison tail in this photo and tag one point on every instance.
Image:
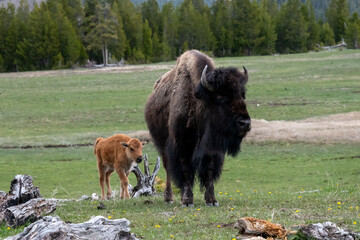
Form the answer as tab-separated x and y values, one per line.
96	142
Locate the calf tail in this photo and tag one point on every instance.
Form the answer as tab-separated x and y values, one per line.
96	142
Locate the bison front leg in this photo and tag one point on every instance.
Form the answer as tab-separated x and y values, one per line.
209	171
168	193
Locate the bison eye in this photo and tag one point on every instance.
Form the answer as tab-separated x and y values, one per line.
222	99
131	149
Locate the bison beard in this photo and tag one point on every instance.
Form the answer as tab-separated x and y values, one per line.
196	114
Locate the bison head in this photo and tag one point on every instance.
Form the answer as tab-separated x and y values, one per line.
224	116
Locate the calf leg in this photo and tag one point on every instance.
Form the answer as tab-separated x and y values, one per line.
107	180
101	180
124	184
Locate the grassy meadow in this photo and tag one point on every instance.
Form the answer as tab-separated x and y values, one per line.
287	183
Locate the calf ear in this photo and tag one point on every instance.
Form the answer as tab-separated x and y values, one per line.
124	144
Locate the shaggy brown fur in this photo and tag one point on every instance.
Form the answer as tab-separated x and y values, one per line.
118	153
195	115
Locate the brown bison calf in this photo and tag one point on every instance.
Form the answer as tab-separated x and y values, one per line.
118	153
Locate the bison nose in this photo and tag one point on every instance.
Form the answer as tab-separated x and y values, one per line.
244	124
139	159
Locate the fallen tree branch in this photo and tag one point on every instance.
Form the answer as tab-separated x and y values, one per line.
97	227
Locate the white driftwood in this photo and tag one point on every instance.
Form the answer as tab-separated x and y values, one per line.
145	181
21	191
97	227
327	231
31	211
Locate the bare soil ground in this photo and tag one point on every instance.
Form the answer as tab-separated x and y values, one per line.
337	128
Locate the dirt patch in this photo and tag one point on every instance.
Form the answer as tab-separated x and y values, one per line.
337	128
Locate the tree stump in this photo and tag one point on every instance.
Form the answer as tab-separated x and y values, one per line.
97	227
31	211
326	231
23	202
145	181
22	190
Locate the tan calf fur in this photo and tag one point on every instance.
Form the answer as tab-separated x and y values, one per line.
118	153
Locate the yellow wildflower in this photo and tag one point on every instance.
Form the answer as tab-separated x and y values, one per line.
157	226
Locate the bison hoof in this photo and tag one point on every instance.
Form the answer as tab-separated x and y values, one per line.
213	204
188	205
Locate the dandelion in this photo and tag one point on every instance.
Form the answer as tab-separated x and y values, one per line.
339	203
171	236
269	192
299	197
226	193
194	215
220	192
297	211
241	194
351	207
157	226
109	217
218	226
144	226
237	191
329	209
357	208
230	198
255	191
124	211
198	209
8	228
354	222
232	209
170	219
182	221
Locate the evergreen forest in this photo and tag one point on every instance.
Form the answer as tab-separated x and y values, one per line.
57	34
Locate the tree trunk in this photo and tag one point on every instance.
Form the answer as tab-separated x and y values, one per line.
145	182
96	228
30	211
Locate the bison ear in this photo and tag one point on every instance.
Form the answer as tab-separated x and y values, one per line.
201	93
124	144
143	143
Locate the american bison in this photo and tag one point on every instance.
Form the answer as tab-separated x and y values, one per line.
119	153
195	114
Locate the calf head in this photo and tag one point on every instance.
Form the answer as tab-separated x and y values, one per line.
133	150
226	120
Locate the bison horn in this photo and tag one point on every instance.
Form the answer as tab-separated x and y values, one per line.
204	82
245	71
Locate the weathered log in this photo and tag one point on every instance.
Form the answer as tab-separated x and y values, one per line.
22	190
30	211
97	227
327	231
145	181
252	227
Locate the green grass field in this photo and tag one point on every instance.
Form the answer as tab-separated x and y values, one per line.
287	183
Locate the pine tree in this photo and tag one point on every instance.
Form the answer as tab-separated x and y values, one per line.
267	34
352	32
337	16
313	28
246	26
291	28
102	32
147	48
169	32
326	35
